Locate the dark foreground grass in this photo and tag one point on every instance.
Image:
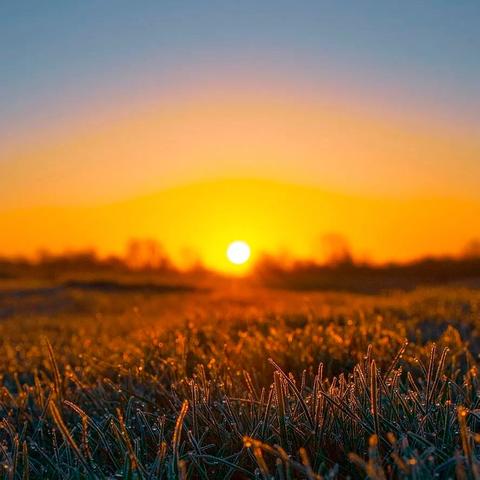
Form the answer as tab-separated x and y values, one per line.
271	385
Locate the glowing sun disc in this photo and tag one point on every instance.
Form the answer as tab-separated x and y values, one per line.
238	252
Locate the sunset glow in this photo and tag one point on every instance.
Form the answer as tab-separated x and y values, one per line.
284	140
238	252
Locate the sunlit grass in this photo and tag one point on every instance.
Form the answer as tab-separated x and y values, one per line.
272	385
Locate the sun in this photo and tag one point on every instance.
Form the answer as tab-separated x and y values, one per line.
238	252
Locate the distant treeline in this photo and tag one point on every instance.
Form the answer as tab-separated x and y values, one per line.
143	256
339	270
367	278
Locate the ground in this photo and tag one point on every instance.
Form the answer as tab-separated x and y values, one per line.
238	382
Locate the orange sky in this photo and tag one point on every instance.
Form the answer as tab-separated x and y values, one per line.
199	171
201	219
304	139
395	189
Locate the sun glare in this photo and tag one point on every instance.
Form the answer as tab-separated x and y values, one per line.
238	252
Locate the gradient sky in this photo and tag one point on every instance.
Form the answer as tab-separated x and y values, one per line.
102	101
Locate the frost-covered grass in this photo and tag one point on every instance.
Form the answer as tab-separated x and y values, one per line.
242	385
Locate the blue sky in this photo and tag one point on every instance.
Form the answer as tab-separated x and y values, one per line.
58	55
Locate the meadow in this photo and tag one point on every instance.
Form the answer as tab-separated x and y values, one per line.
239	383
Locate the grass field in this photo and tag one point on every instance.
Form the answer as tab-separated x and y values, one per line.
239	384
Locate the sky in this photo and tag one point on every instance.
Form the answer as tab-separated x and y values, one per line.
107	102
